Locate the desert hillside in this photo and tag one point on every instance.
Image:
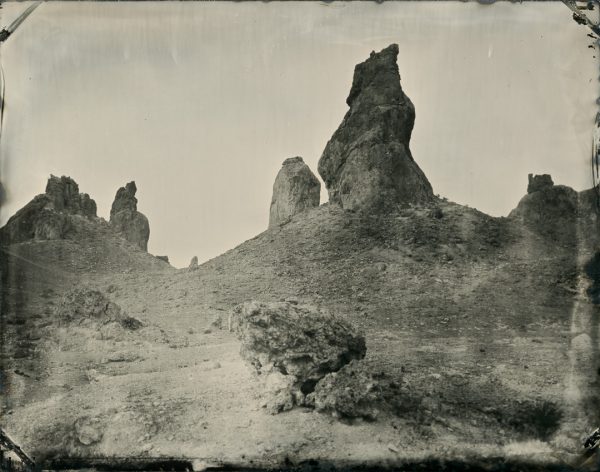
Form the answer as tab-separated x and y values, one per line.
487	326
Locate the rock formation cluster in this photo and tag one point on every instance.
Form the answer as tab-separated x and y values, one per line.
367	164
125	218
295	189
48	215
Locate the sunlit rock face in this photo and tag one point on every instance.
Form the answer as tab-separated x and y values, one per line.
367	164
295	189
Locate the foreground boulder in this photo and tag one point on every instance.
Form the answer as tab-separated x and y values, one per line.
49	215
294	346
126	220
367	164
295	189
549	210
353	392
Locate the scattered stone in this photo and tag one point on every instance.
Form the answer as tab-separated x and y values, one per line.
125	218
88	431
193	263
392	447
367	164
539	182
298	341
295	189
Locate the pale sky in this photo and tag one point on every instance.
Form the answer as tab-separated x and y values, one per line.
200	103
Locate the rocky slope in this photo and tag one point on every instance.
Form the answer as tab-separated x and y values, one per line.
480	332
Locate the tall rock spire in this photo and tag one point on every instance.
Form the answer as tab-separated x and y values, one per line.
367	164
125	218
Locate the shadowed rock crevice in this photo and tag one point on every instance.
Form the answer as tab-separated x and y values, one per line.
367	164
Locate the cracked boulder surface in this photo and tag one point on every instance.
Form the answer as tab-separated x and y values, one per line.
299	343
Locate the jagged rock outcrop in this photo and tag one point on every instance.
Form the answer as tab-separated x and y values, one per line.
85	306
539	182
193	264
298	342
367	164
48	215
64	196
125	218
549	210
295	189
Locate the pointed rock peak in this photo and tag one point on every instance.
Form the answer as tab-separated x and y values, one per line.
295	189
377	78
125	218
125	199
293	160
367	164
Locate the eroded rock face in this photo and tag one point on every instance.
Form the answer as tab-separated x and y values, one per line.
299	342
367	164
84	306
539	182
48	215
125	218
64	196
352	392
549	210
295	189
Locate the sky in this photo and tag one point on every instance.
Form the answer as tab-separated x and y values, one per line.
200	103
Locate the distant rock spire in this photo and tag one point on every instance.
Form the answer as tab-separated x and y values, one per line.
295	189
125	218
367	163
